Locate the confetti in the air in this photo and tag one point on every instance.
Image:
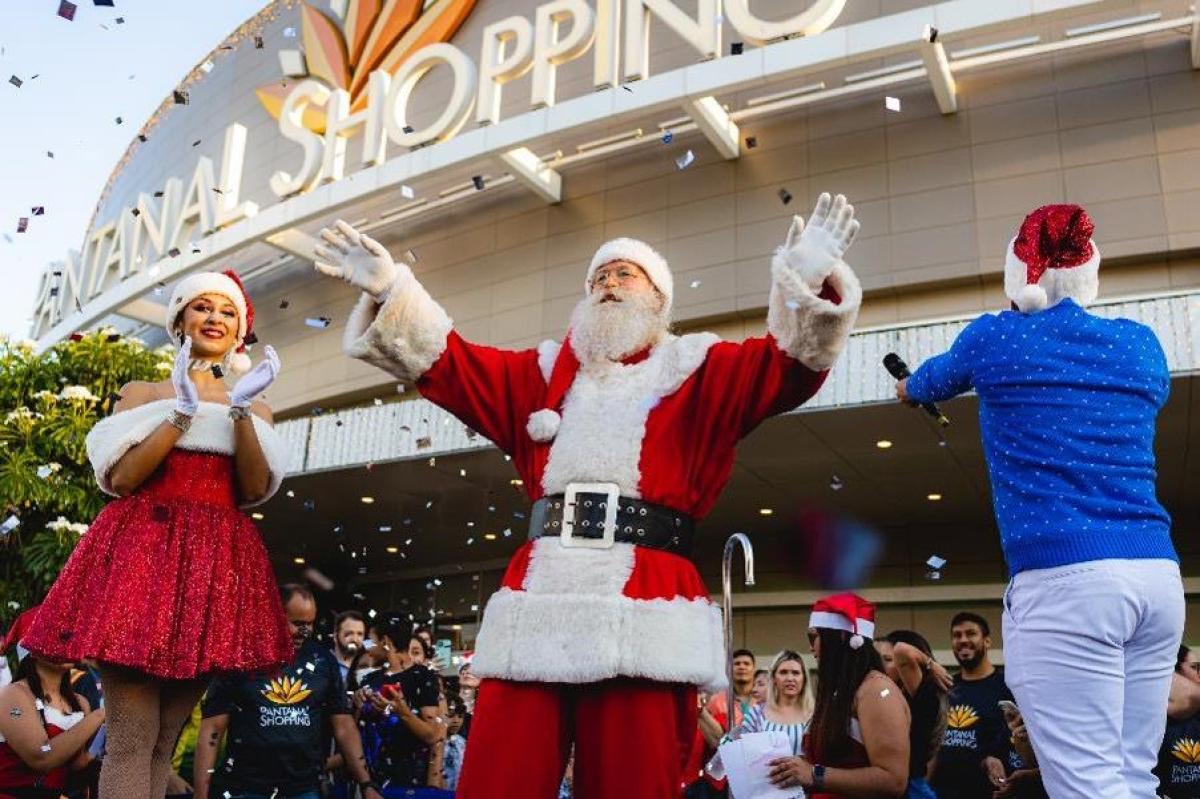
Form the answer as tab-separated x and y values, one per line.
736	48
289	33
22	224
66	10
207	66
10	524
258	42
668	137
39	210
478	181
15	81
406	192
751	142
320	321
180	97
685	160
785	196
891	103
936	562
695	284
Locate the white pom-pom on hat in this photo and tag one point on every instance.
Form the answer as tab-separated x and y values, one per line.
1031	298
543	425
239	363
856	641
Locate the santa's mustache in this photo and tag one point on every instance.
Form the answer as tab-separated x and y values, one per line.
615	323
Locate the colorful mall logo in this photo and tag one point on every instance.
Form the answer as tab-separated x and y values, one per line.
370	37
286	691
961	717
1186	750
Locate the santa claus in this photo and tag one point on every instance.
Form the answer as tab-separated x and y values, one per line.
624	435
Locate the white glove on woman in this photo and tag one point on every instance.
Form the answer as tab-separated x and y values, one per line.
187	397
256	380
357	259
813	250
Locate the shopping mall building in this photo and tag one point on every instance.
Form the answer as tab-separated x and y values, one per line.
495	144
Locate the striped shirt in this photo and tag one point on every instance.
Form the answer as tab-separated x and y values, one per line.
757	721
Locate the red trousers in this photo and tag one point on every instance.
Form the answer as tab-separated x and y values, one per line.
632	738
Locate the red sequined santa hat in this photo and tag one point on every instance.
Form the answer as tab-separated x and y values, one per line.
543	424
1051	258
227	284
848	612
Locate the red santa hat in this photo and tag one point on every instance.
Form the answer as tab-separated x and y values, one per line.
848	612
1051	258
543	424
229	285
17	631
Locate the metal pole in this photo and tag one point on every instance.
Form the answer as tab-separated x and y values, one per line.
727	608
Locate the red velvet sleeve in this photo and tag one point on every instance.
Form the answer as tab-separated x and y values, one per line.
492	391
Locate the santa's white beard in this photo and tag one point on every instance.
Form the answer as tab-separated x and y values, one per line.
610	331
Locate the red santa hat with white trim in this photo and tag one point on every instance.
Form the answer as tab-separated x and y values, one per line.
1052	257
848	612
543	424
227	284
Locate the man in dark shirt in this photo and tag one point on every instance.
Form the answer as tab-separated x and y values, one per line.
969	765
1178	767
275	723
399	711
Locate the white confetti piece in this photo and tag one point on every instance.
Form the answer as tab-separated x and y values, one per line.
891	103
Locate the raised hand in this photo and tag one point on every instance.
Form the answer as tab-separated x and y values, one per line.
256	380
357	259
187	396
813	250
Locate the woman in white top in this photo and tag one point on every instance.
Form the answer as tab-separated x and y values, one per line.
789	705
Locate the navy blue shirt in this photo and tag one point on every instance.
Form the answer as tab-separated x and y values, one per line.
278	724
975	729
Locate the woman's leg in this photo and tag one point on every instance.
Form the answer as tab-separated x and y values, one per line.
131	703
177	699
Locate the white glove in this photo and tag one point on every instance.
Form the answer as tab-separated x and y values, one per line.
357	259
256	380
187	397
813	250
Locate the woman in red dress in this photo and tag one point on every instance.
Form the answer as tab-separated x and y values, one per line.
172	583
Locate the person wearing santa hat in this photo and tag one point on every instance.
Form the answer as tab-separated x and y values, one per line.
857	742
171	582
1094	612
623	435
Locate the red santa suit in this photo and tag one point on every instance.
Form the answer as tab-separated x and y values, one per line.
605	646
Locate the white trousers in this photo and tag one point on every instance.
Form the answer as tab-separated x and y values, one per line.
1089	650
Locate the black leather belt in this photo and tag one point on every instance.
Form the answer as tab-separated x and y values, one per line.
595	515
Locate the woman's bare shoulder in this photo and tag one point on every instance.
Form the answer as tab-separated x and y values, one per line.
141	392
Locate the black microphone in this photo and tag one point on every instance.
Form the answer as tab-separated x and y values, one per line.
898	369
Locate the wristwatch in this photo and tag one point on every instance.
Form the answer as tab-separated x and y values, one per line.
818	778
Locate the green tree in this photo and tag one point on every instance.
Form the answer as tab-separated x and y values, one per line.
48	403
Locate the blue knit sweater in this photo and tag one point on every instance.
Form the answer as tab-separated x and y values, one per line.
1067	407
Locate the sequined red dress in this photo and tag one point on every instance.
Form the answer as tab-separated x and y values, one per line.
172	580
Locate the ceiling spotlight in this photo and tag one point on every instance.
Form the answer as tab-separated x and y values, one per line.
490	536
455	626
256	516
933	497
883	443
298	561
516	482
368	500
393	550
765	511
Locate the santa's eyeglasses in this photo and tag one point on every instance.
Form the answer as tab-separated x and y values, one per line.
623	274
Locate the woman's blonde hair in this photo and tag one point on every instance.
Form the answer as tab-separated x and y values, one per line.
807	701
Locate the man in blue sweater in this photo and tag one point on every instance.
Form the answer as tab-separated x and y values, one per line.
1093	614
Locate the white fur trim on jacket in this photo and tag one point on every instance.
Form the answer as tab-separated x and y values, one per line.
1080	283
572	624
604	415
405	336
808	328
211	431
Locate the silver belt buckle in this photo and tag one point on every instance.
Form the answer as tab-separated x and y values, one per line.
612	494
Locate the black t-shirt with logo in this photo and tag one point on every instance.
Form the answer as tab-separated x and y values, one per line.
975	729
278	724
1178	768
394	755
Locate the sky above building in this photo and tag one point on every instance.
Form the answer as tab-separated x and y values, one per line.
77	77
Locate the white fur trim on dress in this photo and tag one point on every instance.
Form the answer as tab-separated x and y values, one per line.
1080	283
405	336
808	328
211	431
605	411
572	624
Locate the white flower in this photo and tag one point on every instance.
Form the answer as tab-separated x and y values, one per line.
78	528
59	524
78	393
18	414
13	604
48	396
